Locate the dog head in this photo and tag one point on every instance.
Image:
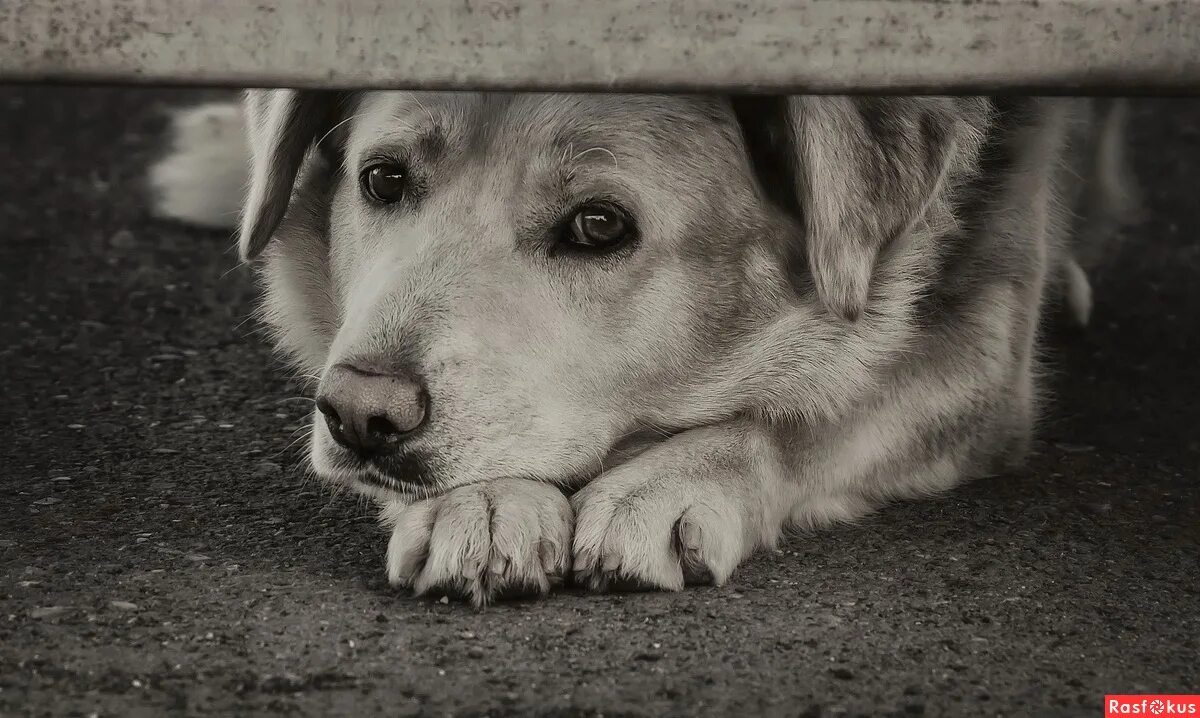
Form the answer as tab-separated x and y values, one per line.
496	286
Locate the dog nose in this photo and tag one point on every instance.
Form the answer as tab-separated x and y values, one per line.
370	412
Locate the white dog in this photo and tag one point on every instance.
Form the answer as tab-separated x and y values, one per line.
633	338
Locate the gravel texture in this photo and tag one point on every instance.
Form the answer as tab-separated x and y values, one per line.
162	551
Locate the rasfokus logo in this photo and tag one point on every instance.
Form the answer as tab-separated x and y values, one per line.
1152	705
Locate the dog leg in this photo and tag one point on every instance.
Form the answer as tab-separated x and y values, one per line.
504	538
688	510
201	180
693	507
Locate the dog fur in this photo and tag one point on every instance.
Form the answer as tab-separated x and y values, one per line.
833	302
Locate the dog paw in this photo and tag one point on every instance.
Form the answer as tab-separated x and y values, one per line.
201	178
636	534
501	539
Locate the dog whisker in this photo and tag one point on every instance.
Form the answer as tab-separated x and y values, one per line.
335	127
420	104
603	150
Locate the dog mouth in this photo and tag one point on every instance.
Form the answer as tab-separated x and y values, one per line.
409	479
401	476
395	484
410	475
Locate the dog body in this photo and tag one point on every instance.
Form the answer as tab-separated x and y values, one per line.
814	305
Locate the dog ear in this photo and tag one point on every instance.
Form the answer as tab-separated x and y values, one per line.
282	127
859	172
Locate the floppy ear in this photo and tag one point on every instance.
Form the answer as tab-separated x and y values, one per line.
282	126
860	172
867	170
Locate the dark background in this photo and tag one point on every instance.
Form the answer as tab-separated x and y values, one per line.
161	547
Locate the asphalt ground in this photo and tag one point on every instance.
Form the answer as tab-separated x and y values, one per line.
161	550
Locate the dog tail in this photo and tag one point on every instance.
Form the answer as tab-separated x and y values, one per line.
1104	201
1110	197
201	179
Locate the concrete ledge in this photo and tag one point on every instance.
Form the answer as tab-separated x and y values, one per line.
1090	46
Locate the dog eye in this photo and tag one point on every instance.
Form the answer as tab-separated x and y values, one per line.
598	226
384	183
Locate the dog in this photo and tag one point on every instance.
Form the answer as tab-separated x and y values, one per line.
629	340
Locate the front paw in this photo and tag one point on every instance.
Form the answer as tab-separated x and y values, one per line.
637	533
500	539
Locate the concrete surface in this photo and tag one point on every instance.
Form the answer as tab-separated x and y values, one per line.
810	45
161	550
